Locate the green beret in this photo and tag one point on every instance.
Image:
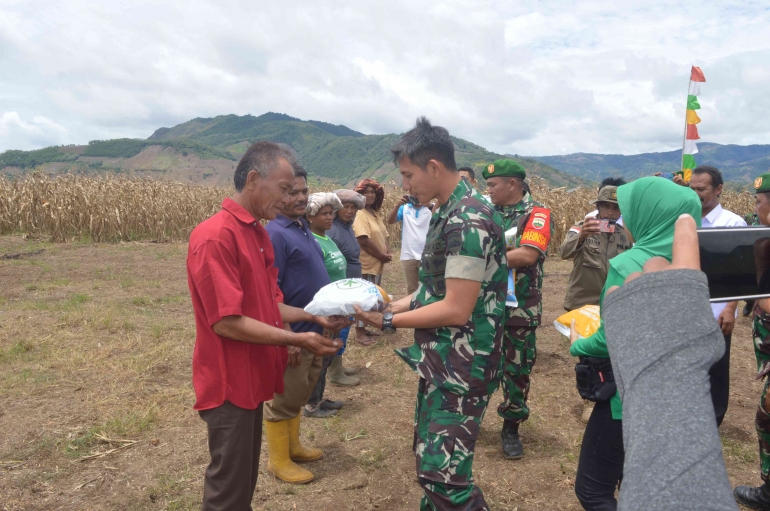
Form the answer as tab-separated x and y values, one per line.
762	183
506	168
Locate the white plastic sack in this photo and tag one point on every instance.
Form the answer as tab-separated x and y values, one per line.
338	298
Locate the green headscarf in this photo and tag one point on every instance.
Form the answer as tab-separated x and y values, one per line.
650	207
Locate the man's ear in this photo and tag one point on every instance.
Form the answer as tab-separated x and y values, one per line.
718	190
252	179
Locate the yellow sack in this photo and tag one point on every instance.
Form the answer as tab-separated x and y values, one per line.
587	320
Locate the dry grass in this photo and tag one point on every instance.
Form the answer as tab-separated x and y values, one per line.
72	207
95	349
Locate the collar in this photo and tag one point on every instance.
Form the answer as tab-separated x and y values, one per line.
238	211
460	191
711	217
286	222
338	221
519	206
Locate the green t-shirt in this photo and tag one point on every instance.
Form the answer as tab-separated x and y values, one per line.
333	258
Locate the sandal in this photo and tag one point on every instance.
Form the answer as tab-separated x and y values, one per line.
366	341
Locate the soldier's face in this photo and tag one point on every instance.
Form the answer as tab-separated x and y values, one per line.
763	208
608	211
418	182
502	190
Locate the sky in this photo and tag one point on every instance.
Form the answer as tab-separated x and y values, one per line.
524	77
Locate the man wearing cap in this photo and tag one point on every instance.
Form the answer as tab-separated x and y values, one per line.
528	225
592	248
592	243
759	497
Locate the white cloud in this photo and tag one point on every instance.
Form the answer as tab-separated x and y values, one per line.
38	132
528	77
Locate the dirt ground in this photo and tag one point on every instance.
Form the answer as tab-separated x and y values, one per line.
95	350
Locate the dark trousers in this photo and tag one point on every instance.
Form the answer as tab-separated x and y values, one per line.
719	375
320	386
600	468
235	440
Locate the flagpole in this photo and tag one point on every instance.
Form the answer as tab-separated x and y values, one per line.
684	135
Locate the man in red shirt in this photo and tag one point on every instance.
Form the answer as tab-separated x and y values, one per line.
240	344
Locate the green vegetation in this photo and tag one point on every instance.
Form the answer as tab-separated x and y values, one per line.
31	159
330	152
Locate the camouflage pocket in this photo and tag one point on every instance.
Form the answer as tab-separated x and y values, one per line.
449	448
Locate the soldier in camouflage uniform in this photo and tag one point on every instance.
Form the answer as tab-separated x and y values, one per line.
759	497
527	225
457	316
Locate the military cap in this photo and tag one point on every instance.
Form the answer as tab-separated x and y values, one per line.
607	194
504	168
762	183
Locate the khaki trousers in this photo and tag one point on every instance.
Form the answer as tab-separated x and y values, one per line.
298	384
411	272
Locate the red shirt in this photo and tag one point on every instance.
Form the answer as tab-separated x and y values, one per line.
230	273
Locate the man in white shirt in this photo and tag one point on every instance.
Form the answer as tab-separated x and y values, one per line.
707	182
415	220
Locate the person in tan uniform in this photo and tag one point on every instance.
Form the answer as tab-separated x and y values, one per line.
592	247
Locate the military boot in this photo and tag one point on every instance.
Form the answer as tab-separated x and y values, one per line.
753	498
512	446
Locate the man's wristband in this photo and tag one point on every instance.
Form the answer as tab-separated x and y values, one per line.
387	323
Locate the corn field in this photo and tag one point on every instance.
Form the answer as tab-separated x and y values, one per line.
107	209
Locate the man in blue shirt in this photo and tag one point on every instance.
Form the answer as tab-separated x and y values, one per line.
301	273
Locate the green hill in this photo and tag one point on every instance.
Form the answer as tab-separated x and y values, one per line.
737	163
205	149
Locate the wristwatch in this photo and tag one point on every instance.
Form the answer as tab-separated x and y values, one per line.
387	323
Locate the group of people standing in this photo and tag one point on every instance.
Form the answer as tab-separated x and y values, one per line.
259	357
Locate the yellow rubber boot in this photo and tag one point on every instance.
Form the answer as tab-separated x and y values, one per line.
278	463
296	451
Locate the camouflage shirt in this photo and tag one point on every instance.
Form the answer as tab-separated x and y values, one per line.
529	279
464	241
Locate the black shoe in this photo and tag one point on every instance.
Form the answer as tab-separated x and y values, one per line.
748	308
328	404
512	446
754	498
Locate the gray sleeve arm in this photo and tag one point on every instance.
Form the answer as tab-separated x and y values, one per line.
661	356
569	247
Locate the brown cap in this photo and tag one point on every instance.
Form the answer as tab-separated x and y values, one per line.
607	194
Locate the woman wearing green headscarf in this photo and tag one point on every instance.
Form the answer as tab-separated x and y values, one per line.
650	207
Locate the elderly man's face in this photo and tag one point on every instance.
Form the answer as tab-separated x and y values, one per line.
296	204
502	190
267	194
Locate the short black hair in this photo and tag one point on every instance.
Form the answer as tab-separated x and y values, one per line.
716	176
426	142
612	181
264	157
300	172
468	170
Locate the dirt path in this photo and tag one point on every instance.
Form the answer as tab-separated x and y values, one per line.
95	344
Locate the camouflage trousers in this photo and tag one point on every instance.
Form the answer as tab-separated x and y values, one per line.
520	353
446	427
761	334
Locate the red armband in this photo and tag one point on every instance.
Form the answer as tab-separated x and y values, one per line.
537	232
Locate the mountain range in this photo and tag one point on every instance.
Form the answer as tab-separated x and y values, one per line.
207	150
739	164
